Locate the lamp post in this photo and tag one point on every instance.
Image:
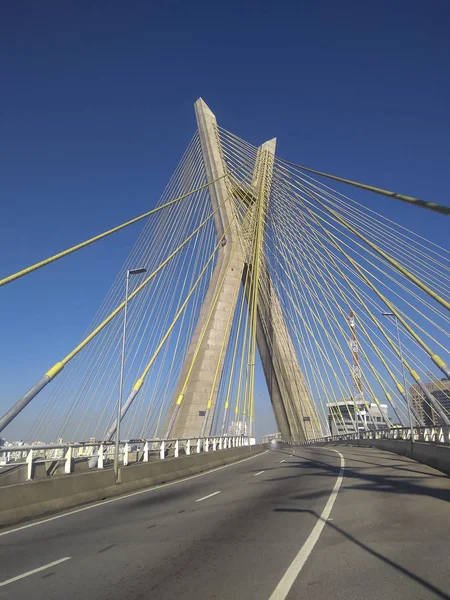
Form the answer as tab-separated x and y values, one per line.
390	314
122	364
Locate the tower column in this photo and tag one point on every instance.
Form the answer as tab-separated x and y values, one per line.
198	375
196	392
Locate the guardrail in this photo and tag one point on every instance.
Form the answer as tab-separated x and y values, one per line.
432	435
100	454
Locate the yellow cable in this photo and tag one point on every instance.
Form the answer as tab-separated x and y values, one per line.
339	326
371	366
445	210
318	317
222	348
175	350
398	385
216	297
293	409
181	395
51	259
233	360
413	373
435	357
402	286
318	370
195	256
395	239
57	367
140	381
384	254
266	160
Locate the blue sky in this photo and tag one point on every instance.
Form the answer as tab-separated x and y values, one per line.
97	107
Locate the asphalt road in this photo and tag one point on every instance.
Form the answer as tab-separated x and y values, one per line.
303	523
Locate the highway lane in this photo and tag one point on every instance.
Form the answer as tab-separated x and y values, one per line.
389	536
234	532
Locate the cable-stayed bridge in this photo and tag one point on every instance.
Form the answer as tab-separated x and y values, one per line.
250	269
246	252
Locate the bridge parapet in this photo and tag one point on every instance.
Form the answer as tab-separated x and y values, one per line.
431	435
53	459
428	445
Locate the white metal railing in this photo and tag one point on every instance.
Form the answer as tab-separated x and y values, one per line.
101	454
431	435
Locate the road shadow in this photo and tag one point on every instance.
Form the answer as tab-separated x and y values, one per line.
399	462
397	483
426	584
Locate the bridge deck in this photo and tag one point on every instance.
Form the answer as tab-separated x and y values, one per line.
387	535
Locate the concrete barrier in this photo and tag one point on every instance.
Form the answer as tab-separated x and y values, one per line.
12	473
434	455
44	496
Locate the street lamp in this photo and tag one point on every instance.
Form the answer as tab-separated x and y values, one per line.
391	314
122	364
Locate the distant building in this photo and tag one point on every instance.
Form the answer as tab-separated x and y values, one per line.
440	389
341	416
238	428
266	439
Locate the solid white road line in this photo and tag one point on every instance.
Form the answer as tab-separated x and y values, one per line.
28	573
282	461
118	498
258	473
209	496
288	579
